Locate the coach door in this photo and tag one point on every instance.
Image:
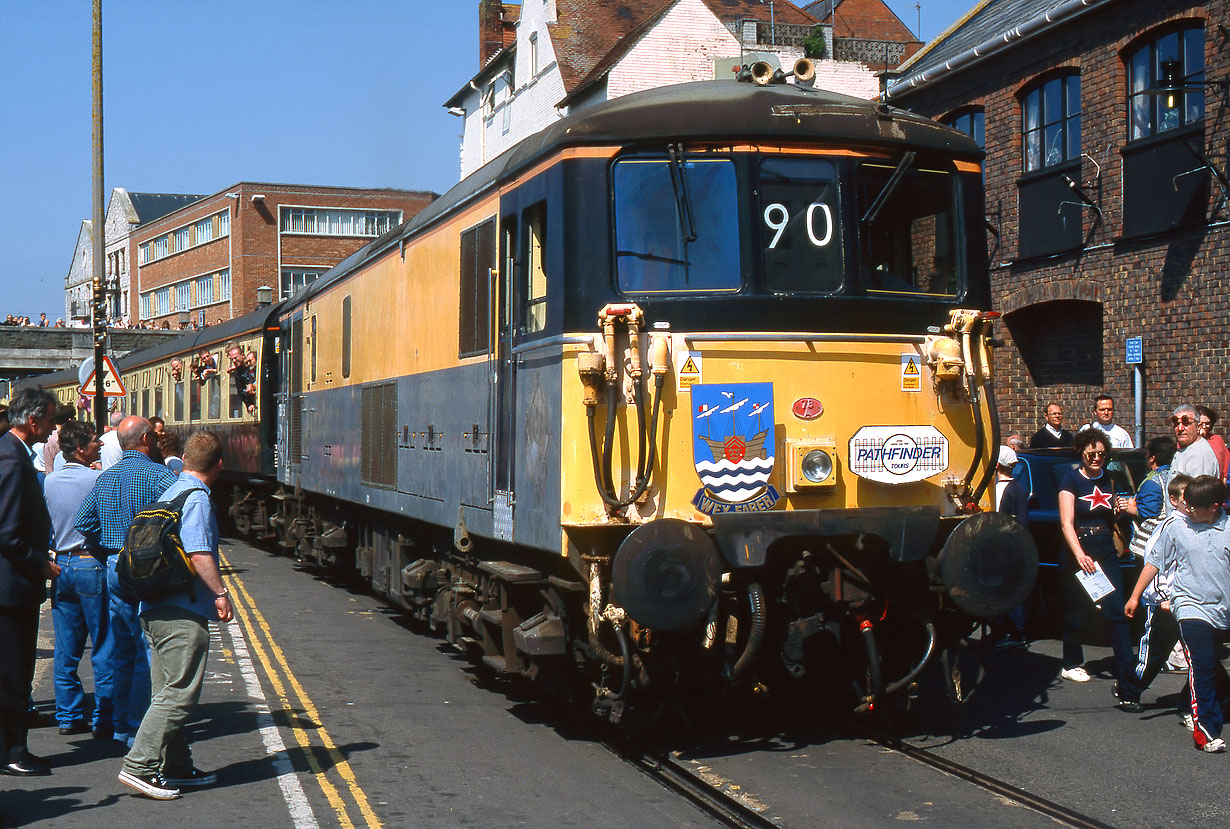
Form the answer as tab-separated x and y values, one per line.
504	383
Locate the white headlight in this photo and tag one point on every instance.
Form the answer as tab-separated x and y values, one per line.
817	466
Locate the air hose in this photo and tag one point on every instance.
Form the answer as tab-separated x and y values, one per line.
755	599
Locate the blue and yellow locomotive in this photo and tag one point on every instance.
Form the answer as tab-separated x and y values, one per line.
692	388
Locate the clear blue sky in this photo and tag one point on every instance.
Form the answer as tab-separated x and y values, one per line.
199	95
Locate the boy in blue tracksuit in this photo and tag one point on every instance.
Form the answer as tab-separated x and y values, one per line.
1198	548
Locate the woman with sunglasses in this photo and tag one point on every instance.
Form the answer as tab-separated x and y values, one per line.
1087	508
1208	419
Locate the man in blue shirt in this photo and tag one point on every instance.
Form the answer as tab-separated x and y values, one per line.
79	593
159	763
121	492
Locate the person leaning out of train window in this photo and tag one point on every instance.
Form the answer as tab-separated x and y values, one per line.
205	367
243	368
1088	507
177	369
1011	498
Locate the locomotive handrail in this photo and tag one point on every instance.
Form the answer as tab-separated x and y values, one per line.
786	337
551	342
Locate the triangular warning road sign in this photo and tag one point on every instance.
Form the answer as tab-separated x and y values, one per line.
910	368
112	387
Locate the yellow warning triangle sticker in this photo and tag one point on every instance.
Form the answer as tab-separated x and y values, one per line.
910	368
689	367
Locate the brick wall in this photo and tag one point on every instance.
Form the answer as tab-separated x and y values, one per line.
255	250
1067	316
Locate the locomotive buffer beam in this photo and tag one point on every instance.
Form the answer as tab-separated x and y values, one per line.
744	538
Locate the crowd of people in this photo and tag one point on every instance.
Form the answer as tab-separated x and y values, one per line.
114	322
26	322
1179	532
67	500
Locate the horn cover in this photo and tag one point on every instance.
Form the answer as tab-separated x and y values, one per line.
666	574
989	564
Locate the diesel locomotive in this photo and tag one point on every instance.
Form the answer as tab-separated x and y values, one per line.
692	389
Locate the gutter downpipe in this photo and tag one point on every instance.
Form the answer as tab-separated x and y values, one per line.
1034	26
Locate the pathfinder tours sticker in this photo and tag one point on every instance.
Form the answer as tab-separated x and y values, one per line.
898	454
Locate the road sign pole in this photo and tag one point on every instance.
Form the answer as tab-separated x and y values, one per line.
1134	354
98	236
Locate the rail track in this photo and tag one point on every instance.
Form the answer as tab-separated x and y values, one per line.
1053	810
714	801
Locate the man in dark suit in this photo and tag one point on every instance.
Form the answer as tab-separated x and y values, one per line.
25	535
1053	434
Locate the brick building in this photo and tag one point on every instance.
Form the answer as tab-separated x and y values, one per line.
541	60
125	212
1105	129
208	258
867	31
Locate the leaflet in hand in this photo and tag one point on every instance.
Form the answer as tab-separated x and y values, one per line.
1096	584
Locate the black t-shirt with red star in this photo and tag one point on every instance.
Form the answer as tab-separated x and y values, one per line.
1094	498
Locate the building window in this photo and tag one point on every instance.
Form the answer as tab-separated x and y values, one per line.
338	222
205	290
183	296
1172	60
971	122
224	286
293	279
1051	129
162	300
145	310
533	55
182	238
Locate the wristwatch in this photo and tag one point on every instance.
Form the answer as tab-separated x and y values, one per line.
226	591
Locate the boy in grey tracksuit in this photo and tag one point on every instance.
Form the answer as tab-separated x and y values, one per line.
1198	548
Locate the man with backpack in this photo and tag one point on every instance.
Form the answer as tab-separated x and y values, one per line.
120	492
159	763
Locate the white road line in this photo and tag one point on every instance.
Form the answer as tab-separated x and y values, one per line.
292	791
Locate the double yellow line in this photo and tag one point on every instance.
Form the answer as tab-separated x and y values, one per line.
299	712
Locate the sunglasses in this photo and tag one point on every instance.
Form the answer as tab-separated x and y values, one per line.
1181	421
1092	455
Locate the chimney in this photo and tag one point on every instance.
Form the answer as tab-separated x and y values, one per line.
490	30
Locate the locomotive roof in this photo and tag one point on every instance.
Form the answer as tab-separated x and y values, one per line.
712	111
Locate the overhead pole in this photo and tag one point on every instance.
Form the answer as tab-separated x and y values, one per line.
98	233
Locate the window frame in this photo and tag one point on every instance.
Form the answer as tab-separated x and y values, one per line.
1136	88
1041	90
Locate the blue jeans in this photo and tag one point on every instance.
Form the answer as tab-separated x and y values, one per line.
130	680
1101	548
79	607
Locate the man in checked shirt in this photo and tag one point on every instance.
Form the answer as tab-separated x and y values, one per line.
122	491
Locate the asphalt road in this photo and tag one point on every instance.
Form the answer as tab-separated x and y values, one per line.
322	708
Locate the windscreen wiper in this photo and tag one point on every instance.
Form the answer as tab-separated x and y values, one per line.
889	187
683	200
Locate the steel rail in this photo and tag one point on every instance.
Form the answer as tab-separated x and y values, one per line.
1053	810
672	775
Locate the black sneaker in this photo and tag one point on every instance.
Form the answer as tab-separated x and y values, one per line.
1131	706
193	779
78	727
150	785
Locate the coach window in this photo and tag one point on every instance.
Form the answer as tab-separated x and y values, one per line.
800	239
1165	182
535	287
214	388
346	337
676	226
477	263
909	241
158	392
1052	215
194	399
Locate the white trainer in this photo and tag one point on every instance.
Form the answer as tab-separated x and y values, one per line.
1189	722
1214	746
1077	674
